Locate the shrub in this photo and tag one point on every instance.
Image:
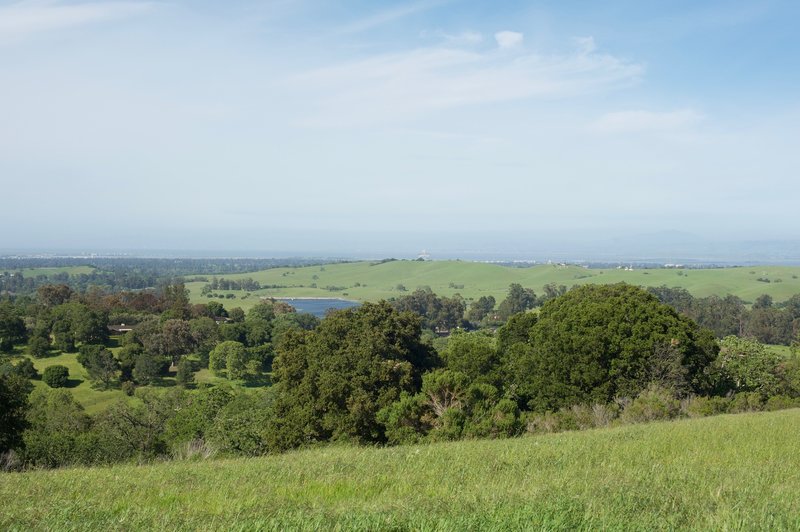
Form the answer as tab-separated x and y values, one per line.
745	365
780	402
542	423
25	369
746	402
148	367
407	420
57	429
239	427
128	388
185	374
56	376
704	406
603	415
38	347
654	403
450	425
583	416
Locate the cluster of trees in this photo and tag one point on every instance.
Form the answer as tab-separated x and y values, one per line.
589	356
118	273
765	320
448	313
438	313
220	283
166	328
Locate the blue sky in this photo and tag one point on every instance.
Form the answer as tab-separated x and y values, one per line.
357	126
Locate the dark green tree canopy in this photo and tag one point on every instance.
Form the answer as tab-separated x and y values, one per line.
14	392
12	328
437	312
56	376
518	300
333	380
597	342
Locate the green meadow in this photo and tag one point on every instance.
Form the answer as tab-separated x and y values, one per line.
731	472
92	399
366	281
69	270
95	399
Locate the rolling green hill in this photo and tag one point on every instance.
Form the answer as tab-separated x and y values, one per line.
722	473
69	270
365	281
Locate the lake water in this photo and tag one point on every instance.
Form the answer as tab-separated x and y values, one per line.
318	307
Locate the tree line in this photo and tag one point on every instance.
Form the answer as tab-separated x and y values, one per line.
590	356
123	273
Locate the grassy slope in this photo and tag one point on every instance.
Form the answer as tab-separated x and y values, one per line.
380	281
726	472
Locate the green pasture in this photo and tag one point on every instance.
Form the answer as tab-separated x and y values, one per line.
70	270
731	472
93	399
365	281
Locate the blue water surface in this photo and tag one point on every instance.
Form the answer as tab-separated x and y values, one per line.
318	307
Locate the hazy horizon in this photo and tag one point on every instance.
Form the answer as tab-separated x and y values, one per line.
362	127
665	247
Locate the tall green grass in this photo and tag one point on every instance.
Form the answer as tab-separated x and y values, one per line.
732	472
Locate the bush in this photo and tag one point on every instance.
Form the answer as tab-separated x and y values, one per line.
603	415
25	369
58	427
583	416
128	388
239	427
780	402
704	406
185	374
746	402
653	404
38	347
56	376
543	423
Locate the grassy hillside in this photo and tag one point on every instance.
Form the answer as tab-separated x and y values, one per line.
366	281
69	270
726	472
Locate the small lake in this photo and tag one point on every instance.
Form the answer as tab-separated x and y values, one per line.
318	307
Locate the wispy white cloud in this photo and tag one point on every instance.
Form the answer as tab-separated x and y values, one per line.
388	15
464	38
401	86
586	44
30	17
642	121
508	39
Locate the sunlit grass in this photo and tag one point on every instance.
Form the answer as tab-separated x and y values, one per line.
726	472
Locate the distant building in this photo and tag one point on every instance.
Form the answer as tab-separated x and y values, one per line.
120	329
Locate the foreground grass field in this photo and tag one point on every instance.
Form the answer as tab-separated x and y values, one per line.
724	473
365	281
